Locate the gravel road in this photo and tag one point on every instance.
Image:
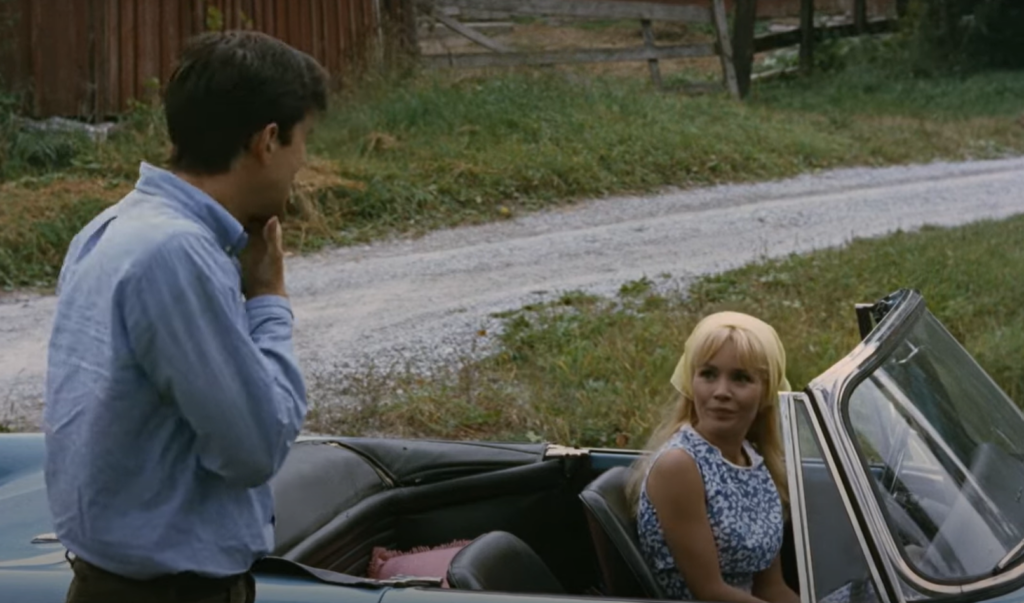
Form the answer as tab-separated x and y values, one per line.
423	299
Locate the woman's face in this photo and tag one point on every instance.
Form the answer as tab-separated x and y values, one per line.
726	394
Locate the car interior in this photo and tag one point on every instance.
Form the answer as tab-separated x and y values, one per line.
527	522
338	500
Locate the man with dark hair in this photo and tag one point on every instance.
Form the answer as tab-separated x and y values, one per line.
172	393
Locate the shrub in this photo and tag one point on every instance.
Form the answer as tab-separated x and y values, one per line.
966	34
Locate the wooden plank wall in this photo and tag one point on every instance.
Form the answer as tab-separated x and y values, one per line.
91	58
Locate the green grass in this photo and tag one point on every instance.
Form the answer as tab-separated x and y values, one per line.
52	184
592	371
443	150
459	153
940	98
33	245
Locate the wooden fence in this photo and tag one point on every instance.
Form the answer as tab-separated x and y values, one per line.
735	46
809	35
773	9
711	12
790	8
91	58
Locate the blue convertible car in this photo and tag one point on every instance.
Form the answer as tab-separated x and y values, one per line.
906	473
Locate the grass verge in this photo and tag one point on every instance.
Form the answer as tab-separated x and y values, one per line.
449	149
594	372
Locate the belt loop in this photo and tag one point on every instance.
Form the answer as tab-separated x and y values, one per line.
70	557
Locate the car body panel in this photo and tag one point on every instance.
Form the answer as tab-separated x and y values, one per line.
25	511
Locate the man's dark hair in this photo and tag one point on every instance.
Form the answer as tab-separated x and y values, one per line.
229	86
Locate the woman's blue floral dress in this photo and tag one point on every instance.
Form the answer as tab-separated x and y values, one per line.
744	509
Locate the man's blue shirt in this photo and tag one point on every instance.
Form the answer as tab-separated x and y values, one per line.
170	400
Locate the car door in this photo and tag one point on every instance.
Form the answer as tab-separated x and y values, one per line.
927	455
832	555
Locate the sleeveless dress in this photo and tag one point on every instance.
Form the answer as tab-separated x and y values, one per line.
744	509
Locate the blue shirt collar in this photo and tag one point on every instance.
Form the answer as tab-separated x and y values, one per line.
197	204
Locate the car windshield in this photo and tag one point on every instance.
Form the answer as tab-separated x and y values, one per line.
946	448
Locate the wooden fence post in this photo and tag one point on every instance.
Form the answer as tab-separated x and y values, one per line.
744	20
400	21
806	35
651	63
860	15
721	22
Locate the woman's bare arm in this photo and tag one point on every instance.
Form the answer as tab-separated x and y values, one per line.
771	586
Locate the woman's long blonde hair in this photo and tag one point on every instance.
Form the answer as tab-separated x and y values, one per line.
759	350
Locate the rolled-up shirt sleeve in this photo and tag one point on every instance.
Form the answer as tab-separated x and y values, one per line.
228	365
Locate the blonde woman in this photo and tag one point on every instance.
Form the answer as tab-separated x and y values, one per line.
710	497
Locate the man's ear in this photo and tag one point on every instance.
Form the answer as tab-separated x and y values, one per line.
264	143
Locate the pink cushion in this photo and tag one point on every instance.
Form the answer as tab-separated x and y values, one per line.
431	562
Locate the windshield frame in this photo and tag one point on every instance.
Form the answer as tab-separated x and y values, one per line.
830	394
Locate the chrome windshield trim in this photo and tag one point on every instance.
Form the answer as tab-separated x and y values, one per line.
1009	556
798	510
872	351
841	379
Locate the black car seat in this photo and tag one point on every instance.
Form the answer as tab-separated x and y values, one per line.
499	561
613	531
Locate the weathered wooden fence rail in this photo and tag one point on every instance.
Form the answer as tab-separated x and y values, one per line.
808	36
645	12
735	46
603	9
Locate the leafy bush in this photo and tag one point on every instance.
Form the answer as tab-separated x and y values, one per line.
26	149
966	34
997	34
